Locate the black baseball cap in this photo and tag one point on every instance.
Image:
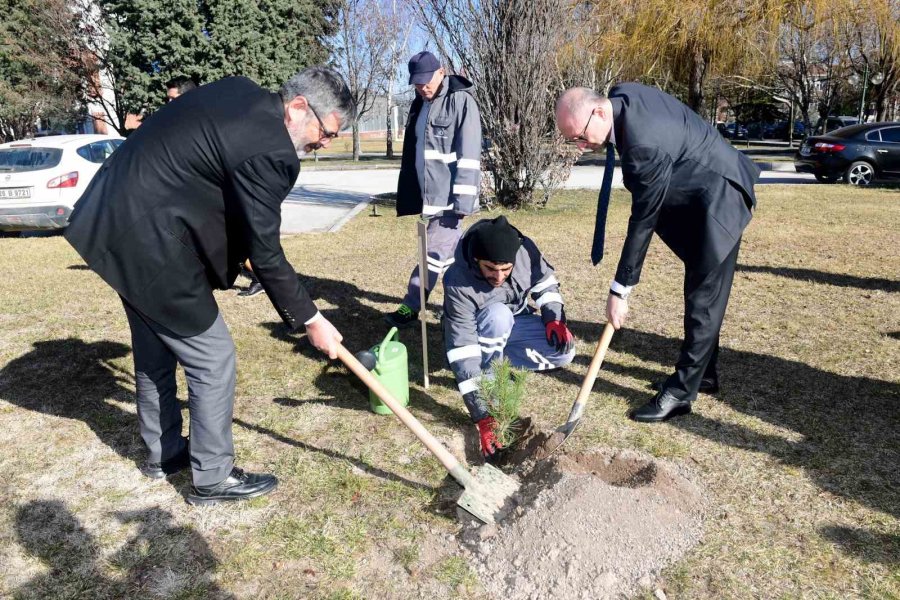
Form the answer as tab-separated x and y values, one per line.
422	67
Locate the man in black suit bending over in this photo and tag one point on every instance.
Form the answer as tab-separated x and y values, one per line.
689	186
190	195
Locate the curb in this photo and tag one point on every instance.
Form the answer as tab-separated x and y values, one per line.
353	212
779	166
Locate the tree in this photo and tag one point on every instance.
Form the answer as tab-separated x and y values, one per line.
683	43
801	54
362	54
509	50
400	22
37	65
266	41
137	45
871	34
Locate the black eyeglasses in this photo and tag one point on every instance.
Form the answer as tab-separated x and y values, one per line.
580	137
325	134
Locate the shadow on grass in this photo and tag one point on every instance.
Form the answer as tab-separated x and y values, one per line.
849	425
363	327
836	279
870	546
333	454
74	379
161	560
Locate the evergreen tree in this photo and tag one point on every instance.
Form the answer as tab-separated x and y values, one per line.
37	79
267	41
150	42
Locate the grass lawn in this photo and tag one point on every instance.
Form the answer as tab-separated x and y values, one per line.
799	451
344	145
366	161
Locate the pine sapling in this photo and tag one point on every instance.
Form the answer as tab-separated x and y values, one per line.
503	391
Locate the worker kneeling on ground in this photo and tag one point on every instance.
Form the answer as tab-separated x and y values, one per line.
487	315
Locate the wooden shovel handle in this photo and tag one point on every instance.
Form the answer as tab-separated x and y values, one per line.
434	446
422	230
588	384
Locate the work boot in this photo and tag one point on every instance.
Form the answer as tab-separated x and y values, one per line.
404	316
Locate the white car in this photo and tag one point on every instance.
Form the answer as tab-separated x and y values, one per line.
42	178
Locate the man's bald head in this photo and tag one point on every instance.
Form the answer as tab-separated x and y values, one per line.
578	99
584	117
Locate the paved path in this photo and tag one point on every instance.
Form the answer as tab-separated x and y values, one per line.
325	200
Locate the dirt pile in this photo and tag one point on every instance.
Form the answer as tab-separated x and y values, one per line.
599	525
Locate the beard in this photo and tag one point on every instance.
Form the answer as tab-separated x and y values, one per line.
297	133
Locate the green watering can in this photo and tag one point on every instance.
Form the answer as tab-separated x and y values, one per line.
391	370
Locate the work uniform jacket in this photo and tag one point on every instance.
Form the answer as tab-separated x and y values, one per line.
466	292
452	154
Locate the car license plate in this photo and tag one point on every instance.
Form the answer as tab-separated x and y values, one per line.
10	193
804	151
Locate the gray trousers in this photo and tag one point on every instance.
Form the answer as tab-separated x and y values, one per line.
521	338
209	366
444	232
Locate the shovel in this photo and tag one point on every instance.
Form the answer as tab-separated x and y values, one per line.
488	493
422	230
586	386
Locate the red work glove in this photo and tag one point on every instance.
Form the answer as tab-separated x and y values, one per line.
489	443
558	335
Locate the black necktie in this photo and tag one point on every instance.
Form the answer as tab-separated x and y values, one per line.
603	204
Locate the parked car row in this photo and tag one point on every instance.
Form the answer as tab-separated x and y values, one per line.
779	130
732	131
40	179
859	154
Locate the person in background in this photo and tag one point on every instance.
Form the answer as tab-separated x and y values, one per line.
440	170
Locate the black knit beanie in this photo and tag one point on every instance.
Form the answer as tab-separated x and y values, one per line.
496	240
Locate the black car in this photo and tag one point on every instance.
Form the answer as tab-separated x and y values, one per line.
732	131
859	154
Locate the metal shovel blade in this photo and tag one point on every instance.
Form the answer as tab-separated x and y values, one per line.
563	432
488	494
575	414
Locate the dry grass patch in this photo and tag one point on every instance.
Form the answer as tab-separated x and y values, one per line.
799	451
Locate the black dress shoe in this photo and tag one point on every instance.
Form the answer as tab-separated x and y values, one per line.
161	470
237	486
664	406
708	385
254	289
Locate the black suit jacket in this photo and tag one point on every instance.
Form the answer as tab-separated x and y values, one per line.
191	194
681	174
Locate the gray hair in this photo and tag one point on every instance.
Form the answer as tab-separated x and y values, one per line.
574	98
324	90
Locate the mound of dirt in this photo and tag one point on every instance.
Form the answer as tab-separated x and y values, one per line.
598	525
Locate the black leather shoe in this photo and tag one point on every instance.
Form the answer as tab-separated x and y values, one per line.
708	385
664	406
254	289
161	470
237	486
